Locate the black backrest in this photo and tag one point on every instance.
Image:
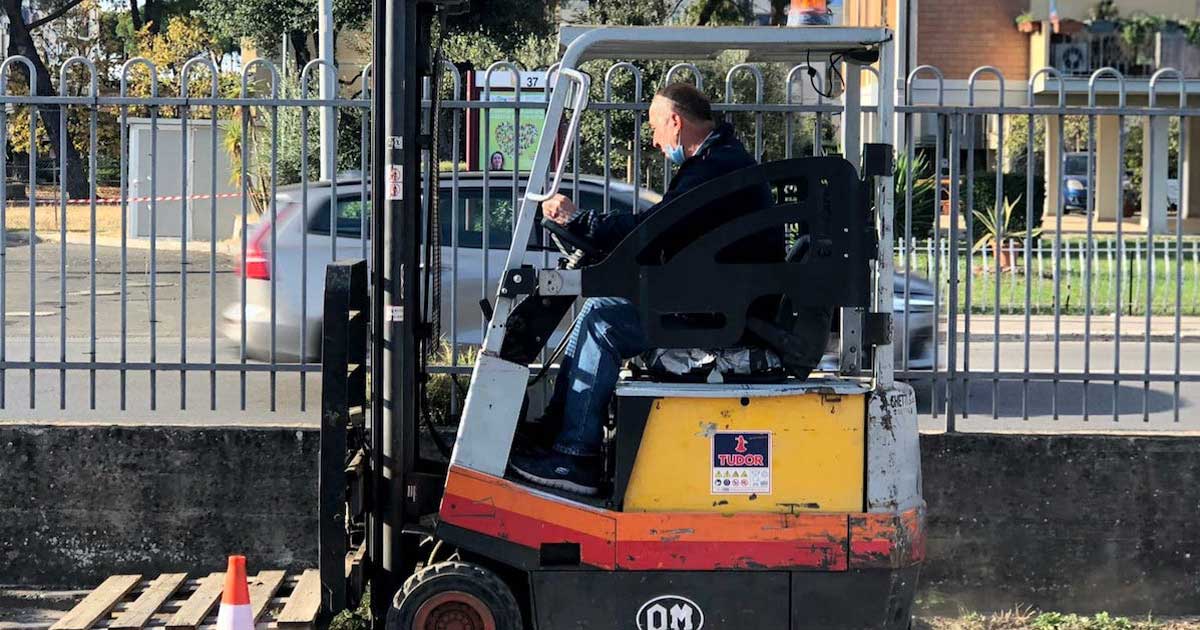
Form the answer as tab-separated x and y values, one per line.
674	266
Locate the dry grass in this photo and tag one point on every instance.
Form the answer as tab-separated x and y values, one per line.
108	218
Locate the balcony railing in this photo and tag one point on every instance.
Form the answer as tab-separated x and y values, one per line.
1080	54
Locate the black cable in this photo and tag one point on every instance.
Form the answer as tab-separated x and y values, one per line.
832	71
432	265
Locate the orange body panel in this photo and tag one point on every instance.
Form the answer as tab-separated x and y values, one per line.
682	540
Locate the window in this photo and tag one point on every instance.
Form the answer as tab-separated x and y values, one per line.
594	201
352	214
471	212
1076	165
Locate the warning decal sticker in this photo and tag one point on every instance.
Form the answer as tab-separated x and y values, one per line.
741	462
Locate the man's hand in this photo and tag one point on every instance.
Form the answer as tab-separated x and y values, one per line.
559	209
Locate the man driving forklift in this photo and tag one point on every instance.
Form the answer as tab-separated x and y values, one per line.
562	450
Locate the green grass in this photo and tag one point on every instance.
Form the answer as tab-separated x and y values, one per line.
1030	619
1072	275
356	619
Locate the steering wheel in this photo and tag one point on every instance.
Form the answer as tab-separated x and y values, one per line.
564	238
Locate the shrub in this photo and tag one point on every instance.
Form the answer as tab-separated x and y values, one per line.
923	196
1014	188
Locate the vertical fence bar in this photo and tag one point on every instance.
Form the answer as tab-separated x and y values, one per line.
63	166
997	217
952	291
456	115
1090	211
487	138
274	201
92	93
1117	278
184	133
33	240
153	242
184	91
667	80
1184	139
245	198
123	169
936	403
4	236
910	182
304	159
969	273
32	74
1059	152
364	224
1154	80
93	145
63	111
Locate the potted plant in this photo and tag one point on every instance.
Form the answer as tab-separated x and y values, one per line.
1137	33
1000	234
1026	23
1191	31
1103	17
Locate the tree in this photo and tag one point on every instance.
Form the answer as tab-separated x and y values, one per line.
21	42
719	12
266	22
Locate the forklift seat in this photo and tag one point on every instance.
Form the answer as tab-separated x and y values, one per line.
745	363
689	296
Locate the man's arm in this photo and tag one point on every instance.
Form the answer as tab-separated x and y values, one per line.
606	229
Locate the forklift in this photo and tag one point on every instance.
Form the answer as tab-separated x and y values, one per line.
783	498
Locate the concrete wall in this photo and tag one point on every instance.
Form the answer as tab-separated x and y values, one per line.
1067	522
80	503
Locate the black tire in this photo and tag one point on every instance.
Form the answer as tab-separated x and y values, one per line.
461	592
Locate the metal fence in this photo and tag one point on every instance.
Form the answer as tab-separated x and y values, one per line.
132	311
134	301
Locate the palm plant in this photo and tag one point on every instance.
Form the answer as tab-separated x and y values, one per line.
998	230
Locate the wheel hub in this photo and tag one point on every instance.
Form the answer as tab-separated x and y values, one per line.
454	610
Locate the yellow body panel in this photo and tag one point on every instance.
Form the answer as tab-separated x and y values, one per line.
817	448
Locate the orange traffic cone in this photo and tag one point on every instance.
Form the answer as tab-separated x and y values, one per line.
235	611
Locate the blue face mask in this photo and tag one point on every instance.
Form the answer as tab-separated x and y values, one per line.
675	154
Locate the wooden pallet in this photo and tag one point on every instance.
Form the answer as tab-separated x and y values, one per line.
175	601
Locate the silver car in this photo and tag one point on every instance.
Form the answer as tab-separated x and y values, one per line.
299	279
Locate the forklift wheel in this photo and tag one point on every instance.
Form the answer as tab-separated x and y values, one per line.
454	595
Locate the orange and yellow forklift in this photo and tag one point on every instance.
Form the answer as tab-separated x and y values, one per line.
776	497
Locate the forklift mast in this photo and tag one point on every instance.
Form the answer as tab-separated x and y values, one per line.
403	61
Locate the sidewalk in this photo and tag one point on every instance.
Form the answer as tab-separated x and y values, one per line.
1072	327
228	247
1077	224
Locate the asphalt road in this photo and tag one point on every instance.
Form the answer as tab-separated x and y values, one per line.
228	395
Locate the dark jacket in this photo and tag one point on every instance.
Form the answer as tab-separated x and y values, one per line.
721	153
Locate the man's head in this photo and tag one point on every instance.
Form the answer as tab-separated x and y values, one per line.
680	118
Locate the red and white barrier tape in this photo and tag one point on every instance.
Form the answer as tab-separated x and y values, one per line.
116	200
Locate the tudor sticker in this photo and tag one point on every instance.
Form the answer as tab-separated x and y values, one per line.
741	462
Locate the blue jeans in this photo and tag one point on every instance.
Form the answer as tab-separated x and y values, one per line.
606	332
